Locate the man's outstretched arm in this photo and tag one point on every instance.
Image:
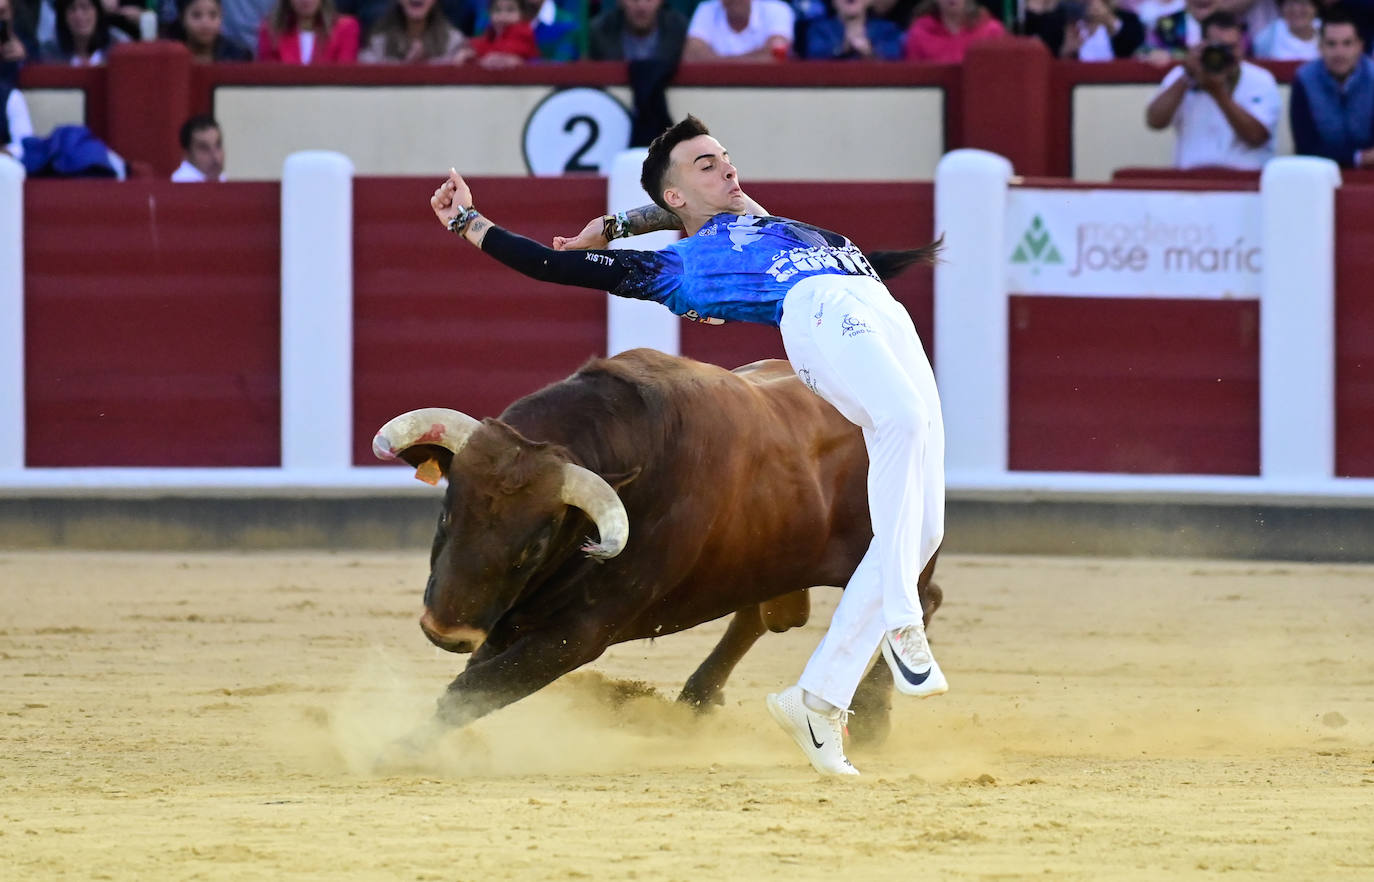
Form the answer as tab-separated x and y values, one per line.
602	270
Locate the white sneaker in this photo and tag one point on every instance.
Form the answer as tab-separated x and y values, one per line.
820	736
914	670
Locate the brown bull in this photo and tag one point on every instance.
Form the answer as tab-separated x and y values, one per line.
713	492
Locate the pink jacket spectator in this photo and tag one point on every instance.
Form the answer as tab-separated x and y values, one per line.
340	48
929	39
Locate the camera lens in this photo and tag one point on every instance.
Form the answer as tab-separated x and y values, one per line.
1216	58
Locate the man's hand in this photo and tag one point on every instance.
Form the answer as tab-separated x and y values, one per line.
1192	64
590	238
12	51
1073	40
451	198
499	61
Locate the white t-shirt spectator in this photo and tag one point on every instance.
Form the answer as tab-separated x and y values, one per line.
21	124
1277	42
189	174
767	19
1205	138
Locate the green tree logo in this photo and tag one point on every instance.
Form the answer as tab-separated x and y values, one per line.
1036	247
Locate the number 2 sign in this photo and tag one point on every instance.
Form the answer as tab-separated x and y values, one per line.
575	130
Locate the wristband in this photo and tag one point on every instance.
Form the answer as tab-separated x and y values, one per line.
459	222
615	226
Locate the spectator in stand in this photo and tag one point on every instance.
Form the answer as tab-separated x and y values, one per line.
308	32
83	34
241	19
740	30
15	123
1093	31
202	146
1331	107
508	40
637	30
1224	109
557	31
13	51
198	25
899	12
367	12
943	29
1176	31
853	32
1293	36
414	31
24	25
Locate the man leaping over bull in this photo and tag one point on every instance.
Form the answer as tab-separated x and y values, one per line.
847	338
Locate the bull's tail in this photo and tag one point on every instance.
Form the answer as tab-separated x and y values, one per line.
891	264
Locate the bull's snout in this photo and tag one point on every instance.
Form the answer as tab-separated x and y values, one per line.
459	638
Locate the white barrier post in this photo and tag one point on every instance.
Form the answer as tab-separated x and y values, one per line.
11	313
316	311
1298	318
971	309
632	323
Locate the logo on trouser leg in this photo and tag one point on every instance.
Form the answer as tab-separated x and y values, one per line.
808	379
852	327
820	312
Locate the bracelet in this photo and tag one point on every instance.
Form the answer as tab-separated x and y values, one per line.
459	222
616	226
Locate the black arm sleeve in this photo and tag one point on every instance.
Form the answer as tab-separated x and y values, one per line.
603	270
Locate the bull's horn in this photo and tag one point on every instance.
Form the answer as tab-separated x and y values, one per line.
428	425
588	491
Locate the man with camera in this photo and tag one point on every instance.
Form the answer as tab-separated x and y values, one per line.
1223	109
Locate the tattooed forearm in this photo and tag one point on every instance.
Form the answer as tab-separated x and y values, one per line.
650	219
477	230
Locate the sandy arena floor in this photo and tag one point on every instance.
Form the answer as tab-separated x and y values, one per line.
187	716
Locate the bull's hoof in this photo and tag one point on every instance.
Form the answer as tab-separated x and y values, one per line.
408	753
702	703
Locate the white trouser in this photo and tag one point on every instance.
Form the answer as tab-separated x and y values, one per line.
856	347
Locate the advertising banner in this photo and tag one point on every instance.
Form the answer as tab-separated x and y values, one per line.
1133	243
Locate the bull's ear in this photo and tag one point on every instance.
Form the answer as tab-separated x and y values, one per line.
419	454
620	479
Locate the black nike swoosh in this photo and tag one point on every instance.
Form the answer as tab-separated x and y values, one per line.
818	744
908	674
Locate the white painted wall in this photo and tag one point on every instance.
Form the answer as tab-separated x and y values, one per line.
887	134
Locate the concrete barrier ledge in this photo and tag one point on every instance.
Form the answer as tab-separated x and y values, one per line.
978	523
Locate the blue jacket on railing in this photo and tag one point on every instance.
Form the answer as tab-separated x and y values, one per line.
1332	119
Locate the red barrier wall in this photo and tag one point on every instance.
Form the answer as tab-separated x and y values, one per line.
156	343
1127	385
437	323
151	321
1355	331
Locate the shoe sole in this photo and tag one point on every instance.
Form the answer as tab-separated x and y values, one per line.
899	683
782	719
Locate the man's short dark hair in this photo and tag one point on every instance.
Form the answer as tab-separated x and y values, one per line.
656	163
1339	15
1220	19
198	123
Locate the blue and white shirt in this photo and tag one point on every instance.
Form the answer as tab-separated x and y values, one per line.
736	268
